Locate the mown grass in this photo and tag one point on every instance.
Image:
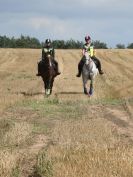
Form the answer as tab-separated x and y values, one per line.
107	101
14	136
44	166
86	148
81	141
53	109
81	146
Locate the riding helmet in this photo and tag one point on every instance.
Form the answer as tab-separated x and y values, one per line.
47	41
87	38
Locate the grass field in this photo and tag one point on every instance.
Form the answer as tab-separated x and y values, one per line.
67	134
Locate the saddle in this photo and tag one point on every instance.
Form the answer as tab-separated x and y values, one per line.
54	64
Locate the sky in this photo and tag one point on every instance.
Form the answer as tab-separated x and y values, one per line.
109	21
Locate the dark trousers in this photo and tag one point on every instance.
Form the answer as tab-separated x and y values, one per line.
82	62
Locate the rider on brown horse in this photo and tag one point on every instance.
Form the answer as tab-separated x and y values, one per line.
48	49
90	50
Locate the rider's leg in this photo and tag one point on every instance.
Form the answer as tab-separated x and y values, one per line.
39	66
98	64
56	67
80	67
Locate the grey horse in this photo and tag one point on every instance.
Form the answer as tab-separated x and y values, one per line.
89	72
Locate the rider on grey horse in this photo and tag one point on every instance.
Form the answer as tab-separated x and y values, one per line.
90	49
48	49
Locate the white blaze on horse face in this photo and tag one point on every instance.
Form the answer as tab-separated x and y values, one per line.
87	57
50	63
49	56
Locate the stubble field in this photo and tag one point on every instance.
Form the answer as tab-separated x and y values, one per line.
67	134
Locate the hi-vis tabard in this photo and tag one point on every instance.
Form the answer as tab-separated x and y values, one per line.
48	50
90	50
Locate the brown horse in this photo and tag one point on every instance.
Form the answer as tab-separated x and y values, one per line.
48	73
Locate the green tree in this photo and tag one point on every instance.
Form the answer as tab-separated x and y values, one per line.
120	46
59	44
130	46
99	45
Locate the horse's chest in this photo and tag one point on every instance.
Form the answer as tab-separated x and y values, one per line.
87	68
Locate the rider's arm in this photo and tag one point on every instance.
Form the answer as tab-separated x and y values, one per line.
83	51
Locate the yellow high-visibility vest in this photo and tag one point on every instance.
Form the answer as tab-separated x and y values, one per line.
90	50
46	50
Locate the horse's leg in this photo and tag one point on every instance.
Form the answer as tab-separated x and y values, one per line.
51	85
85	89
48	87
44	82
85	84
91	87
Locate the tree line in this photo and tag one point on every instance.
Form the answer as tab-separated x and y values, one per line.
32	42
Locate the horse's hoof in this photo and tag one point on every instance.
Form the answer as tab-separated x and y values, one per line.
85	92
90	92
47	92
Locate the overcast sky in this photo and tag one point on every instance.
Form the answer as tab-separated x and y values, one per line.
110	21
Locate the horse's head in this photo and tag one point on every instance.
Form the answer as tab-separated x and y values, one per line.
49	58
48	55
87	58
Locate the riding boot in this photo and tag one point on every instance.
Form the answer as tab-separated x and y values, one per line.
80	67
99	68
57	70
100	71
